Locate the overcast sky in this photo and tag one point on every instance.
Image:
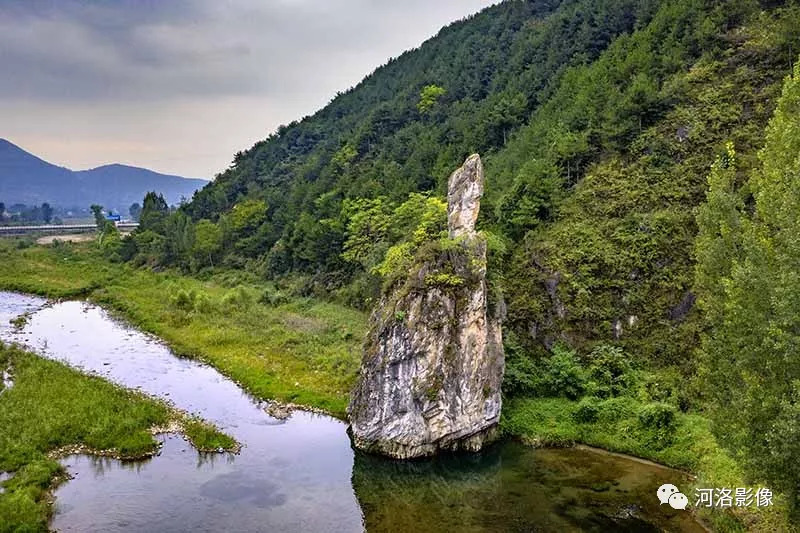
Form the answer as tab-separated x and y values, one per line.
179	86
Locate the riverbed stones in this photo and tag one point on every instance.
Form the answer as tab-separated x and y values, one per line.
433	359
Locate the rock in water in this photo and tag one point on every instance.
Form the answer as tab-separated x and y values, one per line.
433	359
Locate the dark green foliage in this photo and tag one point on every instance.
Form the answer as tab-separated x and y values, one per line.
659	420
520	373
47	213
562	375
610	371
154	213
590	194
409	124
748	254
99	219
598	123
135	211
587	411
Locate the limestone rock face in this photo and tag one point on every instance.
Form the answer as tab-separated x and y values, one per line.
464	192
433	359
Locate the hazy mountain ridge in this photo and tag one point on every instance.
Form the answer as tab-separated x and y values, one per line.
28	179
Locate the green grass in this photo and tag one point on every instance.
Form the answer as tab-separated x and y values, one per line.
206	437
53	407
692	447
301	351
64	271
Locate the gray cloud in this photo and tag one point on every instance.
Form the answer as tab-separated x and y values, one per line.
111	70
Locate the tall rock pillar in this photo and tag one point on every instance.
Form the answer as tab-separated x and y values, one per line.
433	358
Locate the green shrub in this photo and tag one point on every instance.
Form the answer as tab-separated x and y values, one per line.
204	304
588	411
184	300
613	409
658	421
520	378
25	242
563	375
273	298
666	385
657	416
610	371
397	262
239	298
444	279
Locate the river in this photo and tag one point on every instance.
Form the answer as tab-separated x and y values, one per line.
301	474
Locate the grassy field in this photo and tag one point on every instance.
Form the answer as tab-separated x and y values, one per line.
52	407
294	350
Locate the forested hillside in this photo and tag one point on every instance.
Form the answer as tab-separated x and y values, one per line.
598	123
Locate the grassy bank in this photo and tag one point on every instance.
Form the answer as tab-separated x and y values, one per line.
294	350
51	407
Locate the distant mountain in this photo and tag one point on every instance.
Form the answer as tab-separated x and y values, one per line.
27	179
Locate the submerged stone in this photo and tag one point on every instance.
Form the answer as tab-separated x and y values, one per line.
433	358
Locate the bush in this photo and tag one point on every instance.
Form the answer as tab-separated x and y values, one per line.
560	375
184	300
273	298
657	415
444	279
666	385
614	409
659	421
563	375
521	376
610	371
204	304
238	297
588	411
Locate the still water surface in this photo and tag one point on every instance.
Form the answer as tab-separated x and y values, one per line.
301	474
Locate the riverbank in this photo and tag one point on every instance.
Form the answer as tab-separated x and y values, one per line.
55	410
298	351
307	352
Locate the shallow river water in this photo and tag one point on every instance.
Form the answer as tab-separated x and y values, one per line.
301	474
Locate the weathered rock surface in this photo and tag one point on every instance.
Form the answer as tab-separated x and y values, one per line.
433	359
464	192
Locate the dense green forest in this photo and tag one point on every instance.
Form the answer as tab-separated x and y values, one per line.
633	228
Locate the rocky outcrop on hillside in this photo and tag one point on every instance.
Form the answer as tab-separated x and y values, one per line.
433	359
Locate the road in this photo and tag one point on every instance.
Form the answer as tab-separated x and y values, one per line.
53	229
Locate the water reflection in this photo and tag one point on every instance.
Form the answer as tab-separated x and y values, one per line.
510	487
